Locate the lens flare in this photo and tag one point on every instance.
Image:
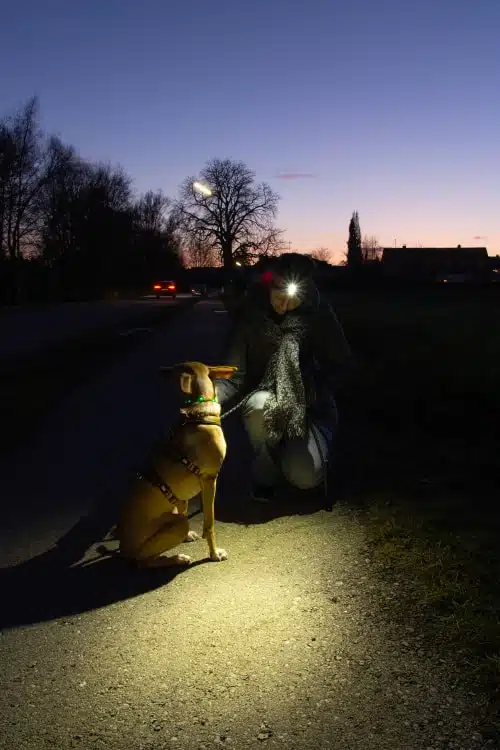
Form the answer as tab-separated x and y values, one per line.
291	289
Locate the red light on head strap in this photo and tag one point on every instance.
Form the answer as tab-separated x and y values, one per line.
267	277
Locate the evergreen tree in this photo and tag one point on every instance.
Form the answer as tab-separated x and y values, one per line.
354	247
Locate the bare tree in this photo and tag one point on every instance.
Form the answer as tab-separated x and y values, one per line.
266	243
59	205
370	249
151	211
27	164
67	225
235	214
200	253
110	187
21	166
7	168
322	254
157	237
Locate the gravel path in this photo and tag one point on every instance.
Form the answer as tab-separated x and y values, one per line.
294	642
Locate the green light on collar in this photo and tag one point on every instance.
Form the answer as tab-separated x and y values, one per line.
200	400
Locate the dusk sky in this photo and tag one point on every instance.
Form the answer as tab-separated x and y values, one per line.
393	107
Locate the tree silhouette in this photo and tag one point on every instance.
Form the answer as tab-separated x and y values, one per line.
354	250
322	254
235	217
370	249
73	229
72	225
200	253
151	211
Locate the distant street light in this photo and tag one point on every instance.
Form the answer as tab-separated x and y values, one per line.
203	189
237	263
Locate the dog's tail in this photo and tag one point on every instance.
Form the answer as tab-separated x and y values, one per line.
104	551
112	534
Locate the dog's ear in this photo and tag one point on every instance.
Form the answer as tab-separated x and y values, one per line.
185	376
186	382
221	372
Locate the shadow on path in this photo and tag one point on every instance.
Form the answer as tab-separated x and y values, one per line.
55	584
234	503
62	581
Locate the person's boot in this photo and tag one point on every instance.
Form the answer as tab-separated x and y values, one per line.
262	493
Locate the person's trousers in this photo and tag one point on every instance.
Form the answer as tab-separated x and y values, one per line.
301	461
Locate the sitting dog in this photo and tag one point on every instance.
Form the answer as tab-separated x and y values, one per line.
154	517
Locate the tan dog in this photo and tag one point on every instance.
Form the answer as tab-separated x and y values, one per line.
154	517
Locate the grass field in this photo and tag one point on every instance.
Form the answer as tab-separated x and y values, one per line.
421	448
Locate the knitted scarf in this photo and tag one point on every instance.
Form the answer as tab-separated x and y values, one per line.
285	409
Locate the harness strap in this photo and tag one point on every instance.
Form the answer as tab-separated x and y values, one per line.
155	480
152	476
190	466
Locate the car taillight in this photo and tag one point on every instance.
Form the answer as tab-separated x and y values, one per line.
171	286
156	286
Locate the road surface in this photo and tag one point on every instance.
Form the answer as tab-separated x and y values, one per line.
24	331
293	642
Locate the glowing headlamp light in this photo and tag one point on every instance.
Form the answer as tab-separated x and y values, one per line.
291	289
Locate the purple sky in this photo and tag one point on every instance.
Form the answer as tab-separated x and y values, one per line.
393	106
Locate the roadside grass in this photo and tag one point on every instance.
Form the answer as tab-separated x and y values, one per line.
30	387
422	443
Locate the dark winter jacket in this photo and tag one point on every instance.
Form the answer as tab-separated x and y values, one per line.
324	352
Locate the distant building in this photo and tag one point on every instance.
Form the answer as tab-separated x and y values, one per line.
453	264
494	263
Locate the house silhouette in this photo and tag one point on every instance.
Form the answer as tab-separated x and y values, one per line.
436	263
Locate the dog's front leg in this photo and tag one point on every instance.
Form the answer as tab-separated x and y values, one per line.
182	509
208	489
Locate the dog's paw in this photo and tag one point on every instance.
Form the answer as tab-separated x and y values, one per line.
192	536
182	559
220	554
164	562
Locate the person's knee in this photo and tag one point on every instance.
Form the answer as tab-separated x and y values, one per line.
253	416
301	468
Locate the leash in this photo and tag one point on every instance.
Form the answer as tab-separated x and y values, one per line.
240	403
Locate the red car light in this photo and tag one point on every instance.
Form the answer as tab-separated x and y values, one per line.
171	286
156	286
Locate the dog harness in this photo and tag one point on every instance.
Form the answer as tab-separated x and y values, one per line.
152	477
